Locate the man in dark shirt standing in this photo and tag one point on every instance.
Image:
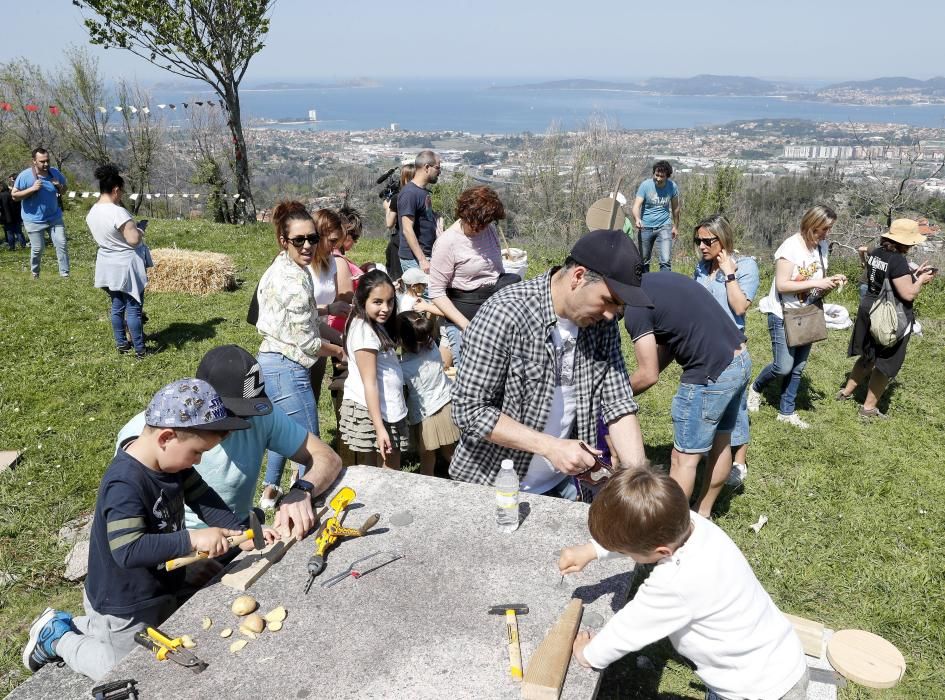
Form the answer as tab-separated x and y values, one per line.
687	324
10	216
417	218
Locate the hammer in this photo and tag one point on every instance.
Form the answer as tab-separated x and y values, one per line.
510	610
254	533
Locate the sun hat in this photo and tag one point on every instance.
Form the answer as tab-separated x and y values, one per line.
415	275
237	378
191	404
904	231
615	257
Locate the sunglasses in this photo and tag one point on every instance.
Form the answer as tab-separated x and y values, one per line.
705	241
311	239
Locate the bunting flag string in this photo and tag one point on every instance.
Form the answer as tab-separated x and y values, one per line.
76	194
56	110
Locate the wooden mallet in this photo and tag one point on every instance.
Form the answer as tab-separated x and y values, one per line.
510	610
254	533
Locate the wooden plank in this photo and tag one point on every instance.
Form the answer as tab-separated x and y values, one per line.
548	666
866	658
243	572
811	634
8	458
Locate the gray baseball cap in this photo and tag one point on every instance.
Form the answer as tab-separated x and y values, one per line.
191	404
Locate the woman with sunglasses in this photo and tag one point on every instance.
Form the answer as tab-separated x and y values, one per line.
733	280
288	323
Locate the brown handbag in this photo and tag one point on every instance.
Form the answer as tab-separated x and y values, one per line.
806	324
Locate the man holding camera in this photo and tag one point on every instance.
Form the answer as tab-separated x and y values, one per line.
38	188
417	218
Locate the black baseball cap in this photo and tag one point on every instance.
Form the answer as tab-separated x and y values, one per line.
237	378
615	257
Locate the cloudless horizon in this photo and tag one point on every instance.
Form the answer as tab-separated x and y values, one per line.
489	40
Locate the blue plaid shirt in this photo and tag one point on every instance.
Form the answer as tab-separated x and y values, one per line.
509	368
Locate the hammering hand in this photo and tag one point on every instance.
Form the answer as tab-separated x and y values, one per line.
213	541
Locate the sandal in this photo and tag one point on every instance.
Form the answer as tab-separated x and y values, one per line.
843	397
872	413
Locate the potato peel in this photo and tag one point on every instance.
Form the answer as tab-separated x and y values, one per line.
277	615
237	645
187	641
226	633
274	626
207	623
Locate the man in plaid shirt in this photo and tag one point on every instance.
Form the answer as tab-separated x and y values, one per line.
541	362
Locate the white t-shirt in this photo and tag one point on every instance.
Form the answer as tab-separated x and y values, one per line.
323	282
406	302
707	600
105	221
428	389
541	476
390	379
806	266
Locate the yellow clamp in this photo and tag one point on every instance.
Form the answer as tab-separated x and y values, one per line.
167	645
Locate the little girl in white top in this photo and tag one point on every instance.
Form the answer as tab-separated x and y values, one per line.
428	390
373	412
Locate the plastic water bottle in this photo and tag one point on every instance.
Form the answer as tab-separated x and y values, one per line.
506	497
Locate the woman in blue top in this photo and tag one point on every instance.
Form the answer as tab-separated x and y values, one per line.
733	280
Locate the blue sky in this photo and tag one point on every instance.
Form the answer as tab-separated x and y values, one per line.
311	39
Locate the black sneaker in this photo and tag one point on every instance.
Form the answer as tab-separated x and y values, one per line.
46	630
125	349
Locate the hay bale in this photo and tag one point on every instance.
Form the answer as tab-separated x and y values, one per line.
191	271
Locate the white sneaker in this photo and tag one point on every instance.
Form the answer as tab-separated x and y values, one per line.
754	400
736	477
794	420
270	503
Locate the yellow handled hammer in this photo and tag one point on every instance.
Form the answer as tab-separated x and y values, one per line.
510	610
254	533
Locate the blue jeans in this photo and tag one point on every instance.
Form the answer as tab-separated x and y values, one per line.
740	433
699	411
787	365
289	387
663	238
125	309
566	489
57	232
455	337
14	233
406	264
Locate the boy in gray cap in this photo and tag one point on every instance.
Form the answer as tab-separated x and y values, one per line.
139	525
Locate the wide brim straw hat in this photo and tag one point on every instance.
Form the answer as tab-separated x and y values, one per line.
905	232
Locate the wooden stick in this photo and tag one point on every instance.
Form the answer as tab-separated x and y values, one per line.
243	572
548	666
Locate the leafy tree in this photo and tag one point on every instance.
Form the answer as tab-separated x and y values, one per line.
208	40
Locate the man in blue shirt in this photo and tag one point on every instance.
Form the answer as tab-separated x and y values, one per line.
417	218
656	215
38	189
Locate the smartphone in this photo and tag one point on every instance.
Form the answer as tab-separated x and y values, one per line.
143	224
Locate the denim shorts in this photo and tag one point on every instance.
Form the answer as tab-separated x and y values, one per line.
701	410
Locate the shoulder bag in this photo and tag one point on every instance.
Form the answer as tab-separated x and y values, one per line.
805	325
888	321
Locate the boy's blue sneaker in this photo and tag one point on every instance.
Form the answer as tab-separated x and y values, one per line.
45	631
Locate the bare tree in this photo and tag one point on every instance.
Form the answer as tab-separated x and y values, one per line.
79	91
36	119
143	134
213	168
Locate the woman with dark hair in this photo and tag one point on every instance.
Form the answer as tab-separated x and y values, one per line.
288	323
880	364
392	222
466	263
119	270
800	278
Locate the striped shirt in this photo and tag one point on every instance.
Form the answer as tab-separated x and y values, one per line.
139	524
509	368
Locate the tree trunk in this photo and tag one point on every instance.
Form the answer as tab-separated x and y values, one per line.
244	209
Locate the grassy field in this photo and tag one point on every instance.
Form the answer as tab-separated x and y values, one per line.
855	536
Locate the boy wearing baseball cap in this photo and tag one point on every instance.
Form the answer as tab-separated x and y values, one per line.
139	525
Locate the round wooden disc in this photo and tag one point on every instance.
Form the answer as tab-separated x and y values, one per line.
866	658
599	213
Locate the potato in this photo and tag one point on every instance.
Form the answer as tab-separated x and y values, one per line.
254	622
244	605
244	630
187	641
277	615
226	633
237	645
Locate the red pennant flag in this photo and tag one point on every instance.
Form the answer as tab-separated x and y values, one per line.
6	106
53	110
31	108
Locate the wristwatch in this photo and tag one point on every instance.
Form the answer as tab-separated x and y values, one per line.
303	485
729	278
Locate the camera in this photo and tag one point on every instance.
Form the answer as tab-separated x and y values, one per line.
391	182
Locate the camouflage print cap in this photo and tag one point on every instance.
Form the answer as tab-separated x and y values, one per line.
191	404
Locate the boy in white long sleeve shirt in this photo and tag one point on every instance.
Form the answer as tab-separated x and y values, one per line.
702	594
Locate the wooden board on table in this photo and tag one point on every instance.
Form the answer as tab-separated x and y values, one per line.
8	458
545	672
243	572
811	634
866	658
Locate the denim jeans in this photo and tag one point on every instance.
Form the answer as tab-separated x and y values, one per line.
699	411
566	489
662	237
57	232
14	233
289	387
406	264
455	338
740	435
126	309
787	364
